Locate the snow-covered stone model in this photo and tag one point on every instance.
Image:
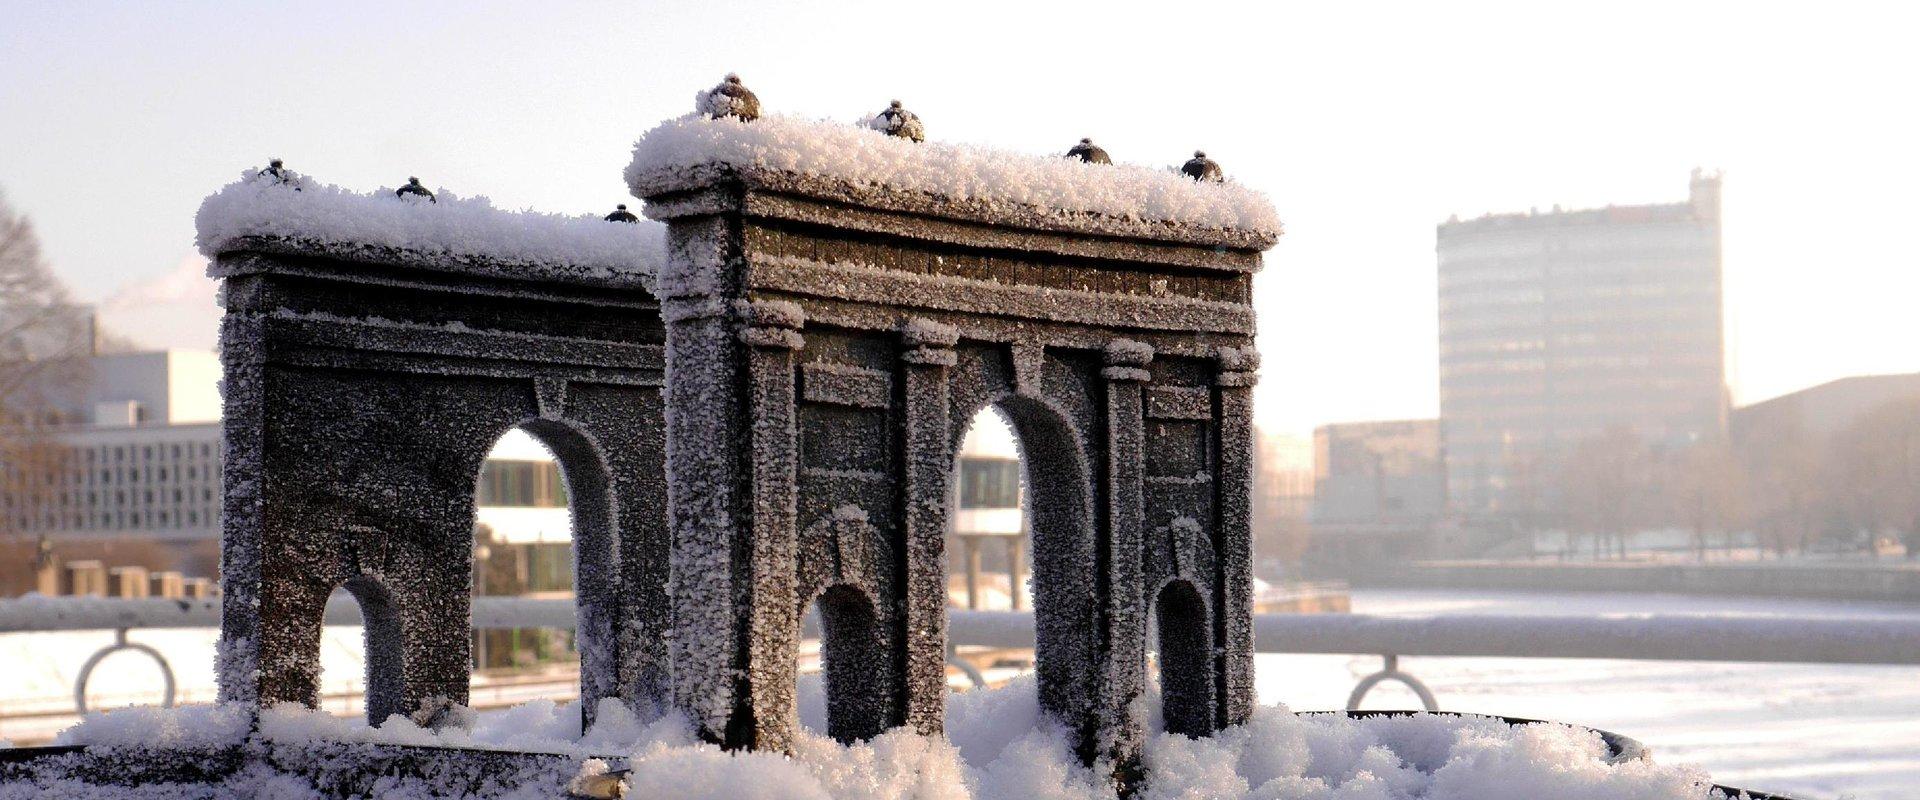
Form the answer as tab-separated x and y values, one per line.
830	330
763	418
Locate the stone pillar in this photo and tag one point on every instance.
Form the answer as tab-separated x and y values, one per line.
732	462
1233	592
1123	723
927	359
771	598
707	512
243	354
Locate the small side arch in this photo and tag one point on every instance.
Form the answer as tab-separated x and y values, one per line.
386	651
857	664
1184	630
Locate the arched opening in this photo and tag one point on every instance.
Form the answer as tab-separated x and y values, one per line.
542	510
988	538
383	648
1183	653
1056	556
854	661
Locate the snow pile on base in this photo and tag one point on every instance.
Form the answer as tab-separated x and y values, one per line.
998	746
183	728
257	206
672	155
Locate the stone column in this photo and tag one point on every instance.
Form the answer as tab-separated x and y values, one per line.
1233	593
708	512
927	358
771	598
238	664
1123	723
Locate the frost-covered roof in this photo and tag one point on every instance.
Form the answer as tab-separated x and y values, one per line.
257	207
683	153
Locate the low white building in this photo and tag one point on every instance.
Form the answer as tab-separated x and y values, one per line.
142	464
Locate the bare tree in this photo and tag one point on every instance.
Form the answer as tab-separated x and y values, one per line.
1873	473
1704	490
1603	486
1785	494
44	342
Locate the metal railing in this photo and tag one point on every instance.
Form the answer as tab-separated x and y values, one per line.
1806	640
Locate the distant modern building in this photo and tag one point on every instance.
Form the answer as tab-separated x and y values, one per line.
141	458
1556	326
1381	474
1820	411
1282	500
988	526
1379	490
133	477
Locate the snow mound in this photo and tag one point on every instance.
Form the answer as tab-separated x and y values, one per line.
998	747
308	212
680	152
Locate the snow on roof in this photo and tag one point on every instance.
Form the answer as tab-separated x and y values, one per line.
681	153
468	227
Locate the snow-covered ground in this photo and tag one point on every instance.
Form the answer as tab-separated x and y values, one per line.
1811	730
1815	731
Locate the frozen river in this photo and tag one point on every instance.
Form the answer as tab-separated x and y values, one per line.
1814	731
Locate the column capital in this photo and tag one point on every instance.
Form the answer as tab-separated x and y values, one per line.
1126	361
929	343
772	324
1239	366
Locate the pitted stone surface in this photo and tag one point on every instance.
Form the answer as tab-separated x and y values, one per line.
765	431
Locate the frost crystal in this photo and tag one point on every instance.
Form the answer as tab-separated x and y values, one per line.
672	155
999	747
257	206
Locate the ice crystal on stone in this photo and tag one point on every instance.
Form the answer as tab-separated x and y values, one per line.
257	206
674	154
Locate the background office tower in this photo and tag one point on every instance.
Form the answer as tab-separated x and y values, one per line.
1558	328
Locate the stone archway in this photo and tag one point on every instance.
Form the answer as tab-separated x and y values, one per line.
362	394
799	360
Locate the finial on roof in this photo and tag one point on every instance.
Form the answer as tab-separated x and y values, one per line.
729	99
621	214
1203	169
276	173
898	121
1089	152
414	188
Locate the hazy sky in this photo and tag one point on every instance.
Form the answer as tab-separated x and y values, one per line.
1366	123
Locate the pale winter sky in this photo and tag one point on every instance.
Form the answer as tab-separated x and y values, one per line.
1366	123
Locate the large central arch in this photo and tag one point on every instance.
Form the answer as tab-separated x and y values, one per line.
1068	584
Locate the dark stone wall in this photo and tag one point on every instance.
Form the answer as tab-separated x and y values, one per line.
849	342
767	428
362	397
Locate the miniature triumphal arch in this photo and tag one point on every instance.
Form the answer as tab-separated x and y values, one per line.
769	421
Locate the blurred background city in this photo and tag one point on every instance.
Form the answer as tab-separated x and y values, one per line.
1598	313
